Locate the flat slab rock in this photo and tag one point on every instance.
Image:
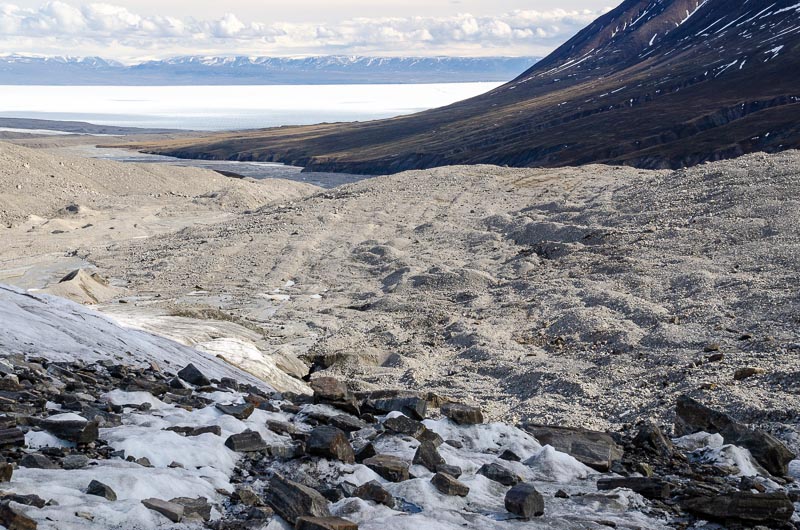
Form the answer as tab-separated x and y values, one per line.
242	411
500	474
462	414
411	404
171	510
80	432
448	485
743	507
595	449
651	488
246	442
389	467
324	523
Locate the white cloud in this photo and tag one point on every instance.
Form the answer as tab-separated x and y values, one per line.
59	28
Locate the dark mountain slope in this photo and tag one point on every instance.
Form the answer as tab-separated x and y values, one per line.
653	83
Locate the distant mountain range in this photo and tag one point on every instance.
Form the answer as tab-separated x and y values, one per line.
652	83
192	70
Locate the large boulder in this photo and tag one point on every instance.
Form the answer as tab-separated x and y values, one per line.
692	416
292	500
192	375
500	474
427	455
524	501
330	442
595	449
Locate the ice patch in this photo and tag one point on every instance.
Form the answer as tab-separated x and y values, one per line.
555	466
41	439
698	440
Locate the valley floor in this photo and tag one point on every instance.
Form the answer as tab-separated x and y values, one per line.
588	297
585	296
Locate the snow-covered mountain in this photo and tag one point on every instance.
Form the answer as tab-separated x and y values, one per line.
191	70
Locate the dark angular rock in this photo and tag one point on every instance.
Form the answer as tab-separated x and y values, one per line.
76	461
101	490
246	442
404	425
324	523
373	491
192	375
6	471
524	501
767	450
743	507
258	513
144	462
13	519
500	474
453	471
27	500
595	449
241	411
448	485
652	439
197	431
281	427
651	488
430	436
291	500
427	455
330	442
455	443
170	510
329	389
11	437
462	414
248	496
409	403
177	384
229	382
80	432
347	423
510	456
389	467
198	508
37	461
368	451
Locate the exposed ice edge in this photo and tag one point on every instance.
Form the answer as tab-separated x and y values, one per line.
46	326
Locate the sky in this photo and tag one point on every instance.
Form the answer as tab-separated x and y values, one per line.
136	30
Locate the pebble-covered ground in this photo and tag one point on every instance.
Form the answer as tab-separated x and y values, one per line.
117	441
